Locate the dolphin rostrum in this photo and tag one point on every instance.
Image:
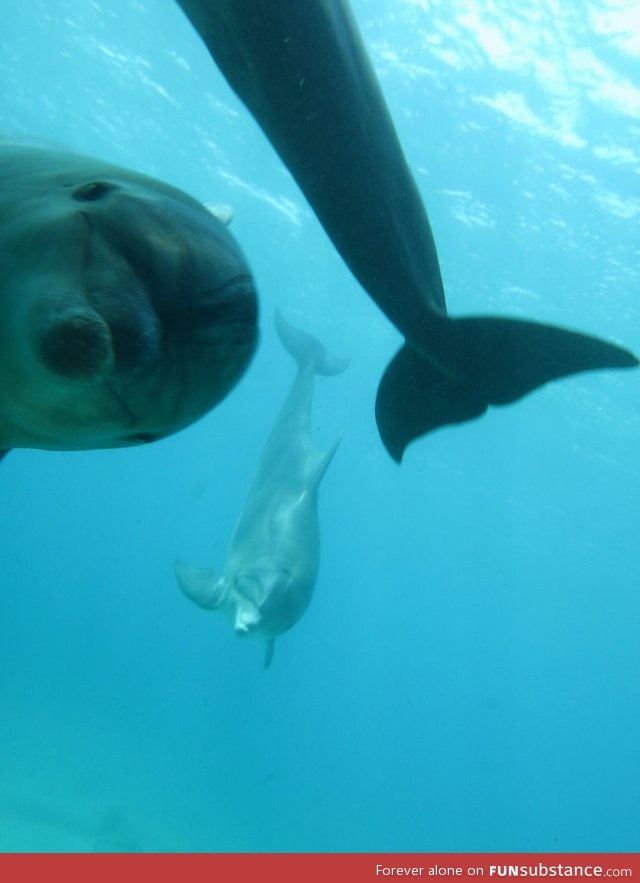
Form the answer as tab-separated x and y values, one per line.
301	68
274	554
126	308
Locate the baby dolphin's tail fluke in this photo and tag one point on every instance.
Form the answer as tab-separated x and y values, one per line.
307	350
475	362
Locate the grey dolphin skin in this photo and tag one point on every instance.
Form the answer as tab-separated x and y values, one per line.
126	308
301	69
273	558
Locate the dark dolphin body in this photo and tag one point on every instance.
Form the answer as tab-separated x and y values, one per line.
126	309
301	69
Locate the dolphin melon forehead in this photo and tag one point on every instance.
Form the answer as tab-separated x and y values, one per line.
31	165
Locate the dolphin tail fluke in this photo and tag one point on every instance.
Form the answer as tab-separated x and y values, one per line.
200	586
480	362
306	348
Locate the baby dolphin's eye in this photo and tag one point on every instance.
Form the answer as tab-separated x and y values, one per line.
93	191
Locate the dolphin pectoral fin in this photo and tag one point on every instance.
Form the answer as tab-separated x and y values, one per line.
268	653
222	213
3	454
487	361
200	586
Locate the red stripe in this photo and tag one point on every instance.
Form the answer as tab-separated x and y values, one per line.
320	868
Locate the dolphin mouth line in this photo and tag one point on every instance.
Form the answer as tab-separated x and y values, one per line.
237	285
132	437
131	416
229	305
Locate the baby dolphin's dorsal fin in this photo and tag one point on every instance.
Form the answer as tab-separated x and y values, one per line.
319	462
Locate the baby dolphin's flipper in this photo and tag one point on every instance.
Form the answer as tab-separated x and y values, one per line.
199	585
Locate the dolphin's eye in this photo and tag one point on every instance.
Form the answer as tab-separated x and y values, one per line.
93	191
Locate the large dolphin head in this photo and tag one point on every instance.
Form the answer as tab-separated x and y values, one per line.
126	308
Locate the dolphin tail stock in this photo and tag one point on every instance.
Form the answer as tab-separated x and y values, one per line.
306	349
200	586
481	361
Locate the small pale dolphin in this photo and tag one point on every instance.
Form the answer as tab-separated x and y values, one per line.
273	558
126	308
302	70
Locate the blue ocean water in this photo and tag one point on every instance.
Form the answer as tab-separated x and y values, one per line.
467	676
